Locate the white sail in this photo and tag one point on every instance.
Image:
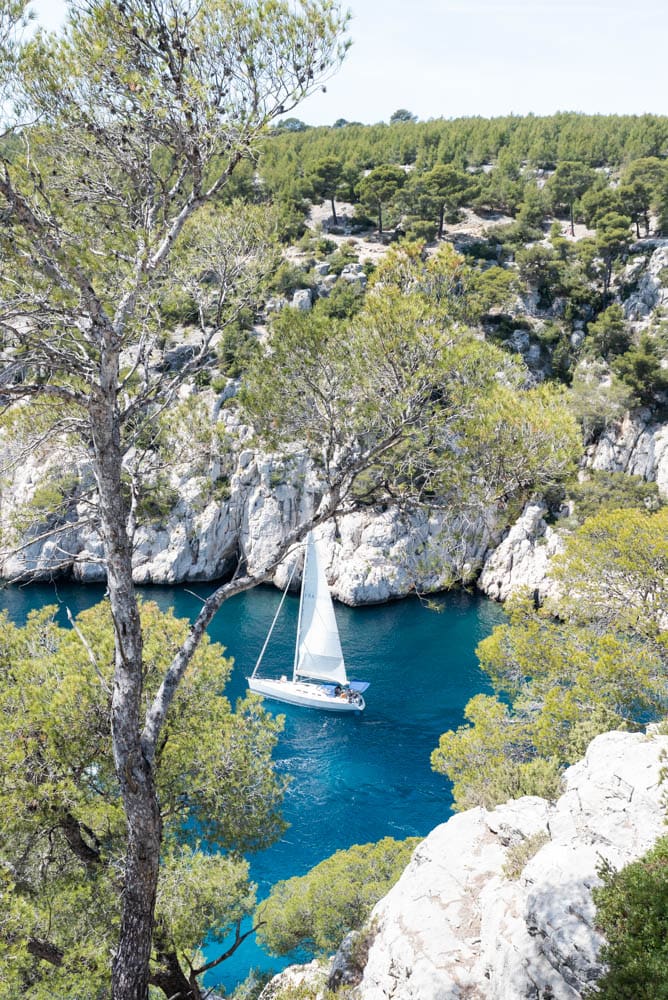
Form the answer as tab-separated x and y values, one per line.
318	652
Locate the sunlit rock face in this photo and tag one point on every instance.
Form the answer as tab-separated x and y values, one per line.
522	559
638	446
650	291
218	520
497	905
221	517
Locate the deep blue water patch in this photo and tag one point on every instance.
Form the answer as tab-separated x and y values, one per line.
355	778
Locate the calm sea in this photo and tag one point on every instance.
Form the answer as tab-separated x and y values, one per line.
355	779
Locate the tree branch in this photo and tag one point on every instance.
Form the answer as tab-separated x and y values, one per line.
46	951
238	940
157	711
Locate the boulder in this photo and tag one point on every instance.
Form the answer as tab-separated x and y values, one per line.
302	299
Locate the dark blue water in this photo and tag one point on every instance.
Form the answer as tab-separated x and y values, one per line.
355	778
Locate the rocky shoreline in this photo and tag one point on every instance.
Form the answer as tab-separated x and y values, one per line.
497	905
377	556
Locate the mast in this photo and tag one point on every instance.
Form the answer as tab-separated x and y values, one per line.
301	607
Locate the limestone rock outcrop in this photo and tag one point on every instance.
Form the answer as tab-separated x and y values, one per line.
638	446
521	560
219	519
497	905
651	291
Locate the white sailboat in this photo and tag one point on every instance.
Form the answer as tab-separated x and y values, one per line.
319	678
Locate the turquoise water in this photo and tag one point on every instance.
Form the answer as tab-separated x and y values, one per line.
355	778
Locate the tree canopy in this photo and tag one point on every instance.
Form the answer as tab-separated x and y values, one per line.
62	836
315	911
559	681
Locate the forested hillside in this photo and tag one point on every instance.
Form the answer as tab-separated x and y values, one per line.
555	221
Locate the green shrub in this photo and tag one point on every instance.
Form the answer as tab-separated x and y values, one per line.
156	502
287	278
178	306
421	229
610	334
344	300
317	910
49	495
562	360
221	489
345	254
597	398
482	250
236	349
632	913
612	491
640	368
323	247
52	499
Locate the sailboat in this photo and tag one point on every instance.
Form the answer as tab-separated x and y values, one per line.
319	678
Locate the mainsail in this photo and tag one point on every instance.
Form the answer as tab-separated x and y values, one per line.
318	650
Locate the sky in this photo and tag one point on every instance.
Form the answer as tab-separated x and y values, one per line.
452	58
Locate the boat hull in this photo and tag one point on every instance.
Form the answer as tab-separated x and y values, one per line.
306	695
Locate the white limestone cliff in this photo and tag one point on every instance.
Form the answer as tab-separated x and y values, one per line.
522	558
376	556
636	445
460	922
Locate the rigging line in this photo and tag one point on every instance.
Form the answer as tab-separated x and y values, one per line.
298	640
278	611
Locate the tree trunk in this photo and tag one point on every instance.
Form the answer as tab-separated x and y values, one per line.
572	221
171	979
336	221
130	967
380	219
441	220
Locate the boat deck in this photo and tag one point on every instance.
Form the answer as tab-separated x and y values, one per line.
306	694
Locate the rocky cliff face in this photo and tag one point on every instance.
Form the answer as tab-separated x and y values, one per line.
522	558
637	446
497	905
375	556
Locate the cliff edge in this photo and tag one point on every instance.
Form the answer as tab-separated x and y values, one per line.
497	905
